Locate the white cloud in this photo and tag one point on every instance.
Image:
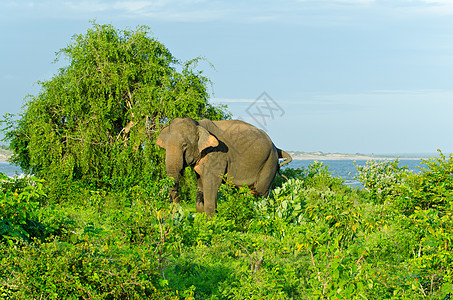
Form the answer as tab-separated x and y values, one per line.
140	7
86	6
168	10
232	100
355	1
310	12
447	2
438	7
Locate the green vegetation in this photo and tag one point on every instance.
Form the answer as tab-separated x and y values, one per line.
96	121
95	221
314	238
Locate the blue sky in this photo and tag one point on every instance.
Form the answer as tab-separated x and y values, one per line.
368	76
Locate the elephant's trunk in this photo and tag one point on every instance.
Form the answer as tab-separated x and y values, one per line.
174	166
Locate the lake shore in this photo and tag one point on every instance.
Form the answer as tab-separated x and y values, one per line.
345	156
4	157
5	154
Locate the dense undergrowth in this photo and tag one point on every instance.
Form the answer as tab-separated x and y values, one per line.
314	238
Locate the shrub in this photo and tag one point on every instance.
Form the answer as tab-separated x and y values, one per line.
236	204
432	188
287	173
381	178
319	176
19	203
96	120
91	251
313	238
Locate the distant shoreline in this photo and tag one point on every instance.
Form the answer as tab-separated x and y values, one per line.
344	156
4	158
4	154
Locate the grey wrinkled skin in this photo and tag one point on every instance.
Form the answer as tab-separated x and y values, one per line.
243	152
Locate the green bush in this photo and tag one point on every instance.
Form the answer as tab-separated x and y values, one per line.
20	200
287	173
432	188
96	121
421	229
236	204
55	270
312	238
105	249
381	178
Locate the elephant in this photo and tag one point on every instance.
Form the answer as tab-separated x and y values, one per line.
215	149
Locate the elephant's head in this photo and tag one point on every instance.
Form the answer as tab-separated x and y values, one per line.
184	140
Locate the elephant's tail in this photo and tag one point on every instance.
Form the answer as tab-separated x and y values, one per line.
285	155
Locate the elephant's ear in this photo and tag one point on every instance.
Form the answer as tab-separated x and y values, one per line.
162	138
205	139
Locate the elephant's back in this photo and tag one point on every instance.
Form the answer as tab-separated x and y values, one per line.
239	128
249	150
243	136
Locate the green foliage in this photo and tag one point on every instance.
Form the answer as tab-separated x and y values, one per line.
432	188
423	204
188	186
287	173
236	204
19	202
102	250
381	178
287	202
96	121
319	176
313	238
289	199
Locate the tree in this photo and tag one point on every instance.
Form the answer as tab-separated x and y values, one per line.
96	121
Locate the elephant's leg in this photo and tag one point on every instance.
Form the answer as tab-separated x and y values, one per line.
211	186
210	169
212	179
200	197
174	193
266	177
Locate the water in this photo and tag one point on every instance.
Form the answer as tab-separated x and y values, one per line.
343	168
347	170
9	170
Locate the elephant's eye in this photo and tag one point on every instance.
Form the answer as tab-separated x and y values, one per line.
184	146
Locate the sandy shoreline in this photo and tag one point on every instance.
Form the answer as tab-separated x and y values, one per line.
341	156
4	158
330	157
5	154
